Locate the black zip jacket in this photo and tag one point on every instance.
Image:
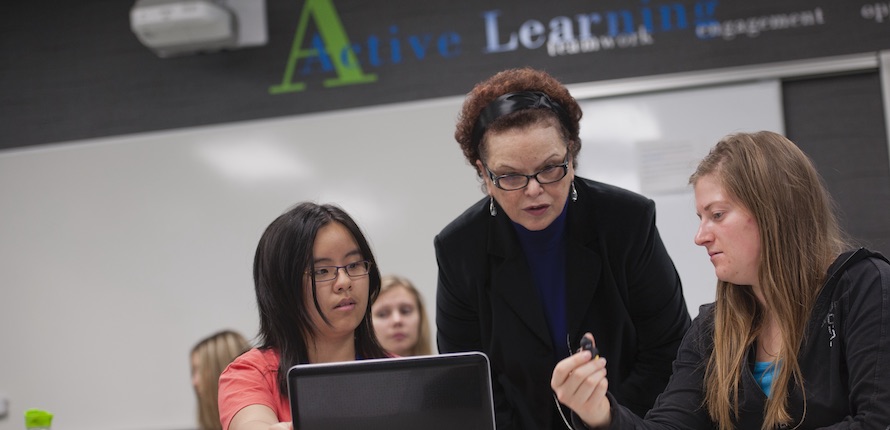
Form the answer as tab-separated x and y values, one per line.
845	360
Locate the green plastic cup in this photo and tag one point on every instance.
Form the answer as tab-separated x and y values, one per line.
38	419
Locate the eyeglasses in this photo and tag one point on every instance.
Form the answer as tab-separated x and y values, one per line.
353	270
518	181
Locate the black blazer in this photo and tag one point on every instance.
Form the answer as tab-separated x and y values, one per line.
621	285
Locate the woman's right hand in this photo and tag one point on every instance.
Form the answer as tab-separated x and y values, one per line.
580	383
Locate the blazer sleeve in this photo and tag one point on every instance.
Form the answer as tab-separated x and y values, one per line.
457	316
458	323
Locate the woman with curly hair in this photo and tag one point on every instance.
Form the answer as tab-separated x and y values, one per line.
547	256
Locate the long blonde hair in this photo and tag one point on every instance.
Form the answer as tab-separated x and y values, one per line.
799	237
423	345
213	354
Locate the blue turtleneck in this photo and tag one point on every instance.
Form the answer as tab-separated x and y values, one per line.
545	251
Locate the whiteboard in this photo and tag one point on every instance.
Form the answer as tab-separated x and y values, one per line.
118	254
651	144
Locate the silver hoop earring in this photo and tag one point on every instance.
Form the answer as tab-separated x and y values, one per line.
491	207
574	192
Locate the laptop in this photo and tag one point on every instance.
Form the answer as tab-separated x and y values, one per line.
446	391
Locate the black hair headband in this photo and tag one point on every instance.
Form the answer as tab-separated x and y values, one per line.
513	102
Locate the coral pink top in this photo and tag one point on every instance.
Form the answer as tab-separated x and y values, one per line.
252	379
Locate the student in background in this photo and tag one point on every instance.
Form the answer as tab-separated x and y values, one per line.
315	279
400	319
797	337
547	256
209	357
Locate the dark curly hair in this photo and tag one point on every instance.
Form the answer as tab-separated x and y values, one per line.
509	81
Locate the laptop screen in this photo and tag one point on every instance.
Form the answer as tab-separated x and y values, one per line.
446	391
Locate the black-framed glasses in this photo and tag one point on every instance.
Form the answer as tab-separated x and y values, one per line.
353	270
518	181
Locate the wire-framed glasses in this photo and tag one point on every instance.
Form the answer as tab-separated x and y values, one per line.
518	181
353	270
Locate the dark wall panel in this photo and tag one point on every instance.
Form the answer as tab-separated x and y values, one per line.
839	122
74	70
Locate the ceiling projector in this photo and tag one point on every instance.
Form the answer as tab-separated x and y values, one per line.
181	27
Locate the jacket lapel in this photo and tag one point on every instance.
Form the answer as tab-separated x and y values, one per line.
511	278
584	262
581	283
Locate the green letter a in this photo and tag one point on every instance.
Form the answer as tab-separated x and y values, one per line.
335	41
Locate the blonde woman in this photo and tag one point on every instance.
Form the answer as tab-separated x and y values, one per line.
797	337
209	357
400	319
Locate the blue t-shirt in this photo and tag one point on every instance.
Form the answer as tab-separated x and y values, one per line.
763	373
